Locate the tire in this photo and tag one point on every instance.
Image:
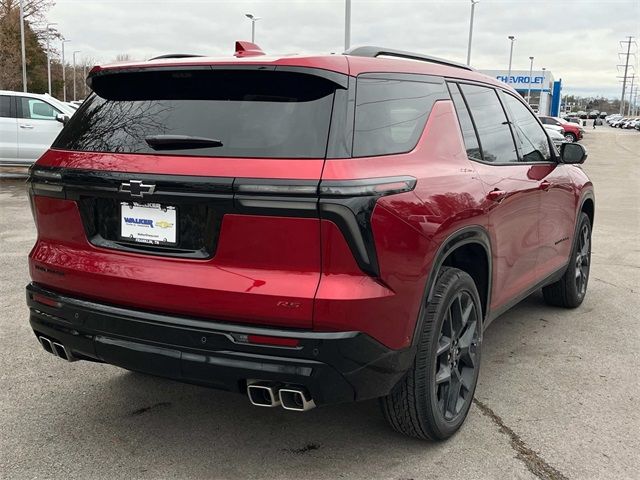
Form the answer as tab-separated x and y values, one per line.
417	405
570	137
570	290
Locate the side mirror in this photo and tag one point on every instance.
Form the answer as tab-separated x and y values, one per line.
573	153
62	118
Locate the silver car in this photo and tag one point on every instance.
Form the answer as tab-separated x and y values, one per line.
556	137
29	122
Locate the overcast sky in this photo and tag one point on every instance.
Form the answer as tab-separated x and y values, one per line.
577	40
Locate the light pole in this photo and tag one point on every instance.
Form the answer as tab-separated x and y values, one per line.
74	74
473	9
253	19
49	56
24	54
512	38
347	24
84	76
530	73
64	74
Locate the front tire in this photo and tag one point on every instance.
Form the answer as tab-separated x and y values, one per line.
570	290
432	401
570	137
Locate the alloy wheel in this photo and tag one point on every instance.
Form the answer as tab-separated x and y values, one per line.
583	260
456	362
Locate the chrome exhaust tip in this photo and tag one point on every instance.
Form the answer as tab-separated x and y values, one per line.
263	394
62	352
46	344
295	399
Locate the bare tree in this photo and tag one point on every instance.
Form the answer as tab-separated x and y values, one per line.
123	57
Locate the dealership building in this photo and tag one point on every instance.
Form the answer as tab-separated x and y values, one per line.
545	91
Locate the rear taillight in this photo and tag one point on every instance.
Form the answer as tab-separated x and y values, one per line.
376	187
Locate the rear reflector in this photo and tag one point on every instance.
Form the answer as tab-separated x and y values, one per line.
50	302
266	340
276	341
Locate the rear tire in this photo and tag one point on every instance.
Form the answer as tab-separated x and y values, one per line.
432	401
570	290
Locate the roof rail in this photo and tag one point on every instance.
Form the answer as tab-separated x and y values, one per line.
175	55
374	52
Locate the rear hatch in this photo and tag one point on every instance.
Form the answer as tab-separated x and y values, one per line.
191	190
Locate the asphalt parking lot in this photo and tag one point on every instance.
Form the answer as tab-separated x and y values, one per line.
558	393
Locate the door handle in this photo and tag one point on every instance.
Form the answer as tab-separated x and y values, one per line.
496	195
26	125
545	185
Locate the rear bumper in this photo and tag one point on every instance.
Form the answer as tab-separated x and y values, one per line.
333	366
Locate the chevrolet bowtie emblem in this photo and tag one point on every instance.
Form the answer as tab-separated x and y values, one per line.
136	188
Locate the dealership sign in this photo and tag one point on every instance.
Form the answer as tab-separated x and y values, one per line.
521	80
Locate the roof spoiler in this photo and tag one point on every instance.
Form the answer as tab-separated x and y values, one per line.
247	49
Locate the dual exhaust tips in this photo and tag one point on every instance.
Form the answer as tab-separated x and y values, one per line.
267	394
56	348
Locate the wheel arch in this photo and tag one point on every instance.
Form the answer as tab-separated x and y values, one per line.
588	206
457	251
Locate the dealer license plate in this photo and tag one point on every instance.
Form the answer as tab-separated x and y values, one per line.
148	223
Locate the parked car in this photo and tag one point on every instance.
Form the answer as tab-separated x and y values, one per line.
575	120
355	248
611	118
619	122
556	137
555	128
594	114
603	114
29	122
572	132
630	123
582	114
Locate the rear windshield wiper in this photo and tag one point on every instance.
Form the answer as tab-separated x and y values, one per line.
170	142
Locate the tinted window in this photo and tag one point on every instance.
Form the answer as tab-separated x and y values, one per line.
5	106
35	109
491	122
534	144
468	132
251	113
391	114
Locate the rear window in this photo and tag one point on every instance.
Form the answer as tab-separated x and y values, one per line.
248	114
391	112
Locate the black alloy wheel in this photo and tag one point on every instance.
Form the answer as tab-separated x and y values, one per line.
434	397
583	260
456	363
570	290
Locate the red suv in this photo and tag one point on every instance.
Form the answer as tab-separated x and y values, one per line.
572	131
306	230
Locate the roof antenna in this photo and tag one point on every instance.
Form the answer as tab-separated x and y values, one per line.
247	49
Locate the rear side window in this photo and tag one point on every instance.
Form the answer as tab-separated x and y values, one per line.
241	113
533	141
5	106
466	125
491	123
391	113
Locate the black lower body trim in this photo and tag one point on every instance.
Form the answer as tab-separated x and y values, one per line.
333	366
553	277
